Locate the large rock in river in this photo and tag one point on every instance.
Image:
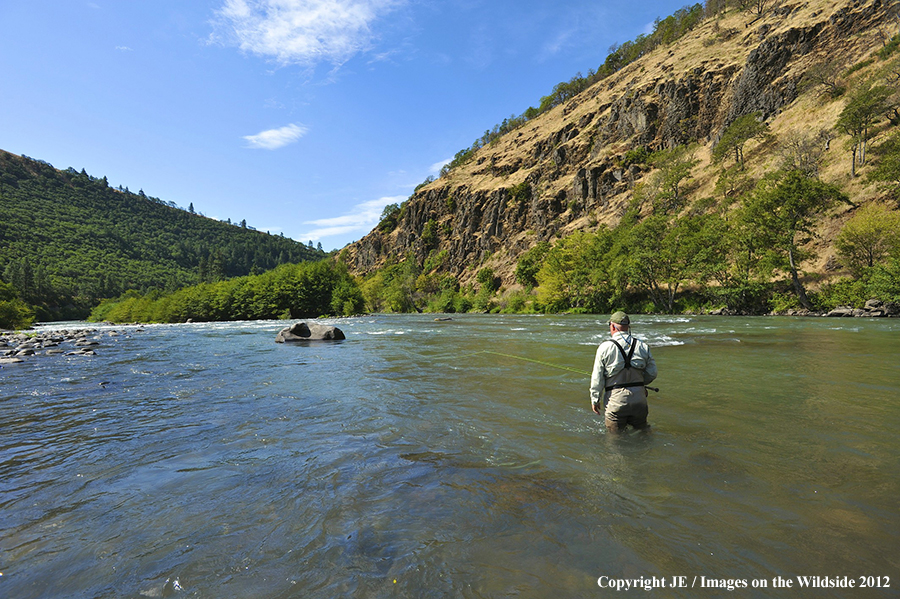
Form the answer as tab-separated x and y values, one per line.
312	331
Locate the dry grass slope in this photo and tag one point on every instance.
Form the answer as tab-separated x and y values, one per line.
716	54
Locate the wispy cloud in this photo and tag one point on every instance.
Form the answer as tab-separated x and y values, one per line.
435	169
124	49
362	218
276	138
301	31
554	46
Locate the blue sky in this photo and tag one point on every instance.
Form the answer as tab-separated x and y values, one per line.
304	117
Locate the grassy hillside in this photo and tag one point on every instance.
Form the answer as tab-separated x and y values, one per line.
67	239
659	184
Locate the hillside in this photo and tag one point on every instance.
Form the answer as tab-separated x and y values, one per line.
67	238
573	167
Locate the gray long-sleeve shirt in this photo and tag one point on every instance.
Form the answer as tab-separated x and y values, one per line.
609	361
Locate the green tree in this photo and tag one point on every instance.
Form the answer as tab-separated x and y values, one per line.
666	184
530	263
780	213
737	134
579	273
305	290
869	237
663	254
488	284
430	234
20	275
14	312
346	296
732	183
390	217
487	280
863	109
392	288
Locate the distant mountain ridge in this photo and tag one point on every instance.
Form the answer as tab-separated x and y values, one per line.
67	238
569	169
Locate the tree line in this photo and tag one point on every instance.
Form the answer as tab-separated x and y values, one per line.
306	290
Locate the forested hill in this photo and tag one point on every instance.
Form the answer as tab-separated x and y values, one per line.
69	239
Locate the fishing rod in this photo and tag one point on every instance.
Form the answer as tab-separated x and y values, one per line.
542	363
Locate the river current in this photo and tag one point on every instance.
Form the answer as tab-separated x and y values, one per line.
460	458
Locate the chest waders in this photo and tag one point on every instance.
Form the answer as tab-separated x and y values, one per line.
628	376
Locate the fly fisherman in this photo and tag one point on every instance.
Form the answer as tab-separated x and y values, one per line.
622	369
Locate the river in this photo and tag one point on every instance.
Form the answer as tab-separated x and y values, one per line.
424	458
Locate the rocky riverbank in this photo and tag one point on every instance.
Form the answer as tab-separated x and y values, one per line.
874	308
18	347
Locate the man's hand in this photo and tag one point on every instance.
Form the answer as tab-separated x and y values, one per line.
596	409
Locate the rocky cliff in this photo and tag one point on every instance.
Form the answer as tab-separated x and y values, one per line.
566	170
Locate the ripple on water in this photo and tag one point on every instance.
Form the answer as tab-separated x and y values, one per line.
223	465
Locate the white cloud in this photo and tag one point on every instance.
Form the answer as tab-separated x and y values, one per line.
276	138
301	31
553	47
123	49
435	169
362	218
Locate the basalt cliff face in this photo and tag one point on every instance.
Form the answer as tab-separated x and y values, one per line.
563	171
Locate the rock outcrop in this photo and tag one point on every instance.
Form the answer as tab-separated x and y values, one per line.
566	170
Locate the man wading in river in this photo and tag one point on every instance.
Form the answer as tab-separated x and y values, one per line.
622	369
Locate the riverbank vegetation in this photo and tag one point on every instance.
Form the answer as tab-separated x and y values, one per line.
305	290
696	262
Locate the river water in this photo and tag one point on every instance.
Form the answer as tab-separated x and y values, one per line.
205	460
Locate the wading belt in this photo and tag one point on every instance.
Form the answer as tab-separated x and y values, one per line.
627	358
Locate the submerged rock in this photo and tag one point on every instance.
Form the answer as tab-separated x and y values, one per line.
303	331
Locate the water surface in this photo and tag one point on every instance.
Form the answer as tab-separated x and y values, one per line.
407	461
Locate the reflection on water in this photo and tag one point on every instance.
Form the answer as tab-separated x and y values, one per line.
409	461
